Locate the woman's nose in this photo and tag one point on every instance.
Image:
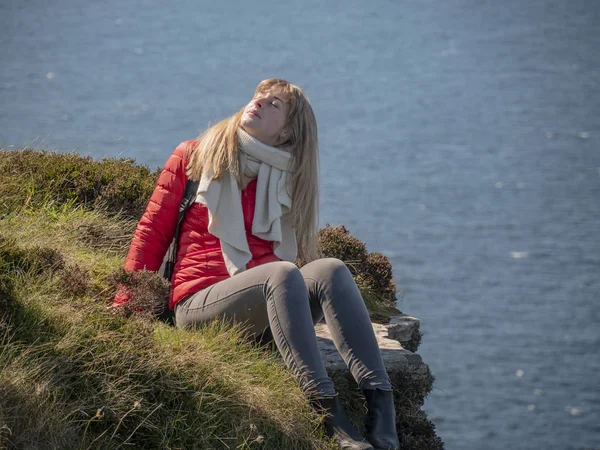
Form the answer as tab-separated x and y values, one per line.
258	104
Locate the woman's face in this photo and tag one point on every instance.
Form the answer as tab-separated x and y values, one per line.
264	118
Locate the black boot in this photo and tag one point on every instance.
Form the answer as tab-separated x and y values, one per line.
338	426
381	419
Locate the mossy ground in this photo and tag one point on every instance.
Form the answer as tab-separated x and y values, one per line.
75	375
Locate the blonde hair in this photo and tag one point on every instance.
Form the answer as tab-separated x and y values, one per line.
217	150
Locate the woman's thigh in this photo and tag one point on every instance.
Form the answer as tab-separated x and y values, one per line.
241	299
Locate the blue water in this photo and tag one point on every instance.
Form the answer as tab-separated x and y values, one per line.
461	139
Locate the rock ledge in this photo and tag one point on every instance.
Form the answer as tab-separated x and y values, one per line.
390	337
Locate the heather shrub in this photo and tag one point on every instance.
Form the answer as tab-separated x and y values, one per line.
75	281
336	242
48	258
36	178
372	271
376	276
148	293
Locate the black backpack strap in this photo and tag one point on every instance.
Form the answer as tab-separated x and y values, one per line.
189	196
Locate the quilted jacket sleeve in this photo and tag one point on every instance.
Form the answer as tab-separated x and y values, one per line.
156	228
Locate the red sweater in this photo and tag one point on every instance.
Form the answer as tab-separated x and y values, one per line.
199	261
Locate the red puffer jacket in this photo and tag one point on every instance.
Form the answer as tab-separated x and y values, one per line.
199	259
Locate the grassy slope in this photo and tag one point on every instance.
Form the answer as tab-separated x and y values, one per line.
73	375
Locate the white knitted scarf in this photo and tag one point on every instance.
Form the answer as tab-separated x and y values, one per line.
272	220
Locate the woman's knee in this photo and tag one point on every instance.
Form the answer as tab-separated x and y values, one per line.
284	272
331	268
285	285
333	263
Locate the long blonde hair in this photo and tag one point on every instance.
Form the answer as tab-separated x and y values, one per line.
217	150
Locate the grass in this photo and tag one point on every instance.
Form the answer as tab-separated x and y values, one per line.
73	375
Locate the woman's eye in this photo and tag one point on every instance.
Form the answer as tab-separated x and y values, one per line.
275	105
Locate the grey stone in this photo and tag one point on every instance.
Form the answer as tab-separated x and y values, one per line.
395	357
403	327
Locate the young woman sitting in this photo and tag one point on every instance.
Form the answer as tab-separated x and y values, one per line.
255	214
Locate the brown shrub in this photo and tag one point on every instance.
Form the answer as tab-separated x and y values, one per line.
336	242
376	274
48	258
148	293
372	271
75	281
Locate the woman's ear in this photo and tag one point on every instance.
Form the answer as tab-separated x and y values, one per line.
285	134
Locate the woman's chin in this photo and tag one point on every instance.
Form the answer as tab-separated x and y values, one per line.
250	128
248	124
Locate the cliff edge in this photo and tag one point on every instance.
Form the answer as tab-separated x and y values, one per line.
75	375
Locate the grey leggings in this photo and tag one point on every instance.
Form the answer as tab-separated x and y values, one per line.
290	301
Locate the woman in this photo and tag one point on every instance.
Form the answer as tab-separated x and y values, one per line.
255	214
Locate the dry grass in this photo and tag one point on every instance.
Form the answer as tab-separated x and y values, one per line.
73	375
